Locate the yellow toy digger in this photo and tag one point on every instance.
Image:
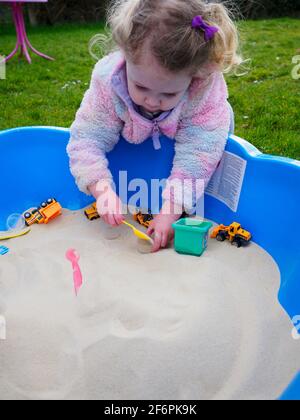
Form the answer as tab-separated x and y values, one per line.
234	233
143	218
91	212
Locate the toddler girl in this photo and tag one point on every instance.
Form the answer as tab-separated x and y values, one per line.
165	76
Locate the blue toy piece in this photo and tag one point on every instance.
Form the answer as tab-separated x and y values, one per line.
269	194
3	250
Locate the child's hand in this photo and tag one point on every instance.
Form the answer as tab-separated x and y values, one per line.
109	205
161	226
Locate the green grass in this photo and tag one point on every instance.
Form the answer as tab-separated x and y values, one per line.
266	100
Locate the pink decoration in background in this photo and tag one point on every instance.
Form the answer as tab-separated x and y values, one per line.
73	256
22	39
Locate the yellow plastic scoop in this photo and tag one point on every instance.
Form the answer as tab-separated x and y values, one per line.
138	233
9	234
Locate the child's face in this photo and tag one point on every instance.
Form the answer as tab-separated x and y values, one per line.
154	88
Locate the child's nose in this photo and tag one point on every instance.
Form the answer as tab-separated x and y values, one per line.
152	102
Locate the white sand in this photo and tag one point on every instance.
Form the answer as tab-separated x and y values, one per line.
158	326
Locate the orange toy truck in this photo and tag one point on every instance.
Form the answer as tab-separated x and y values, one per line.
47	211
234	233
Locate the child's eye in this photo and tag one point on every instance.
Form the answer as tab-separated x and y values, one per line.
141	87
170	95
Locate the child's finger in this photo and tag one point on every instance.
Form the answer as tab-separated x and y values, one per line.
150	230
114	217
111	220
171	235
119	218
164	240
157	241
105	218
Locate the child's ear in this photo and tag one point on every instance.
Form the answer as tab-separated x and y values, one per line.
205	71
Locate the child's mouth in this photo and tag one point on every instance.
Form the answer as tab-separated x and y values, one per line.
152	110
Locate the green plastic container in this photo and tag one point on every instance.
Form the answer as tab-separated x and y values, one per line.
191	236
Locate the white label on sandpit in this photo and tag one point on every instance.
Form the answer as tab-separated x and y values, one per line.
226	183
2	328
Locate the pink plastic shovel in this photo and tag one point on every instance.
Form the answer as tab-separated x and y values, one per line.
73	256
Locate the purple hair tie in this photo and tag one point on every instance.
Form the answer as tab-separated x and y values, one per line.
209	31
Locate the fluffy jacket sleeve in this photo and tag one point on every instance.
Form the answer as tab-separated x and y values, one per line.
200	142
95	132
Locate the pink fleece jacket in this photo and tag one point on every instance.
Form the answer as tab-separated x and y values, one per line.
199	126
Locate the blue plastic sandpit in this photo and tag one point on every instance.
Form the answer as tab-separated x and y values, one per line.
34	165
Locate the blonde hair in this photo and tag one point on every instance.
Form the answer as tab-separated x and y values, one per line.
166	26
